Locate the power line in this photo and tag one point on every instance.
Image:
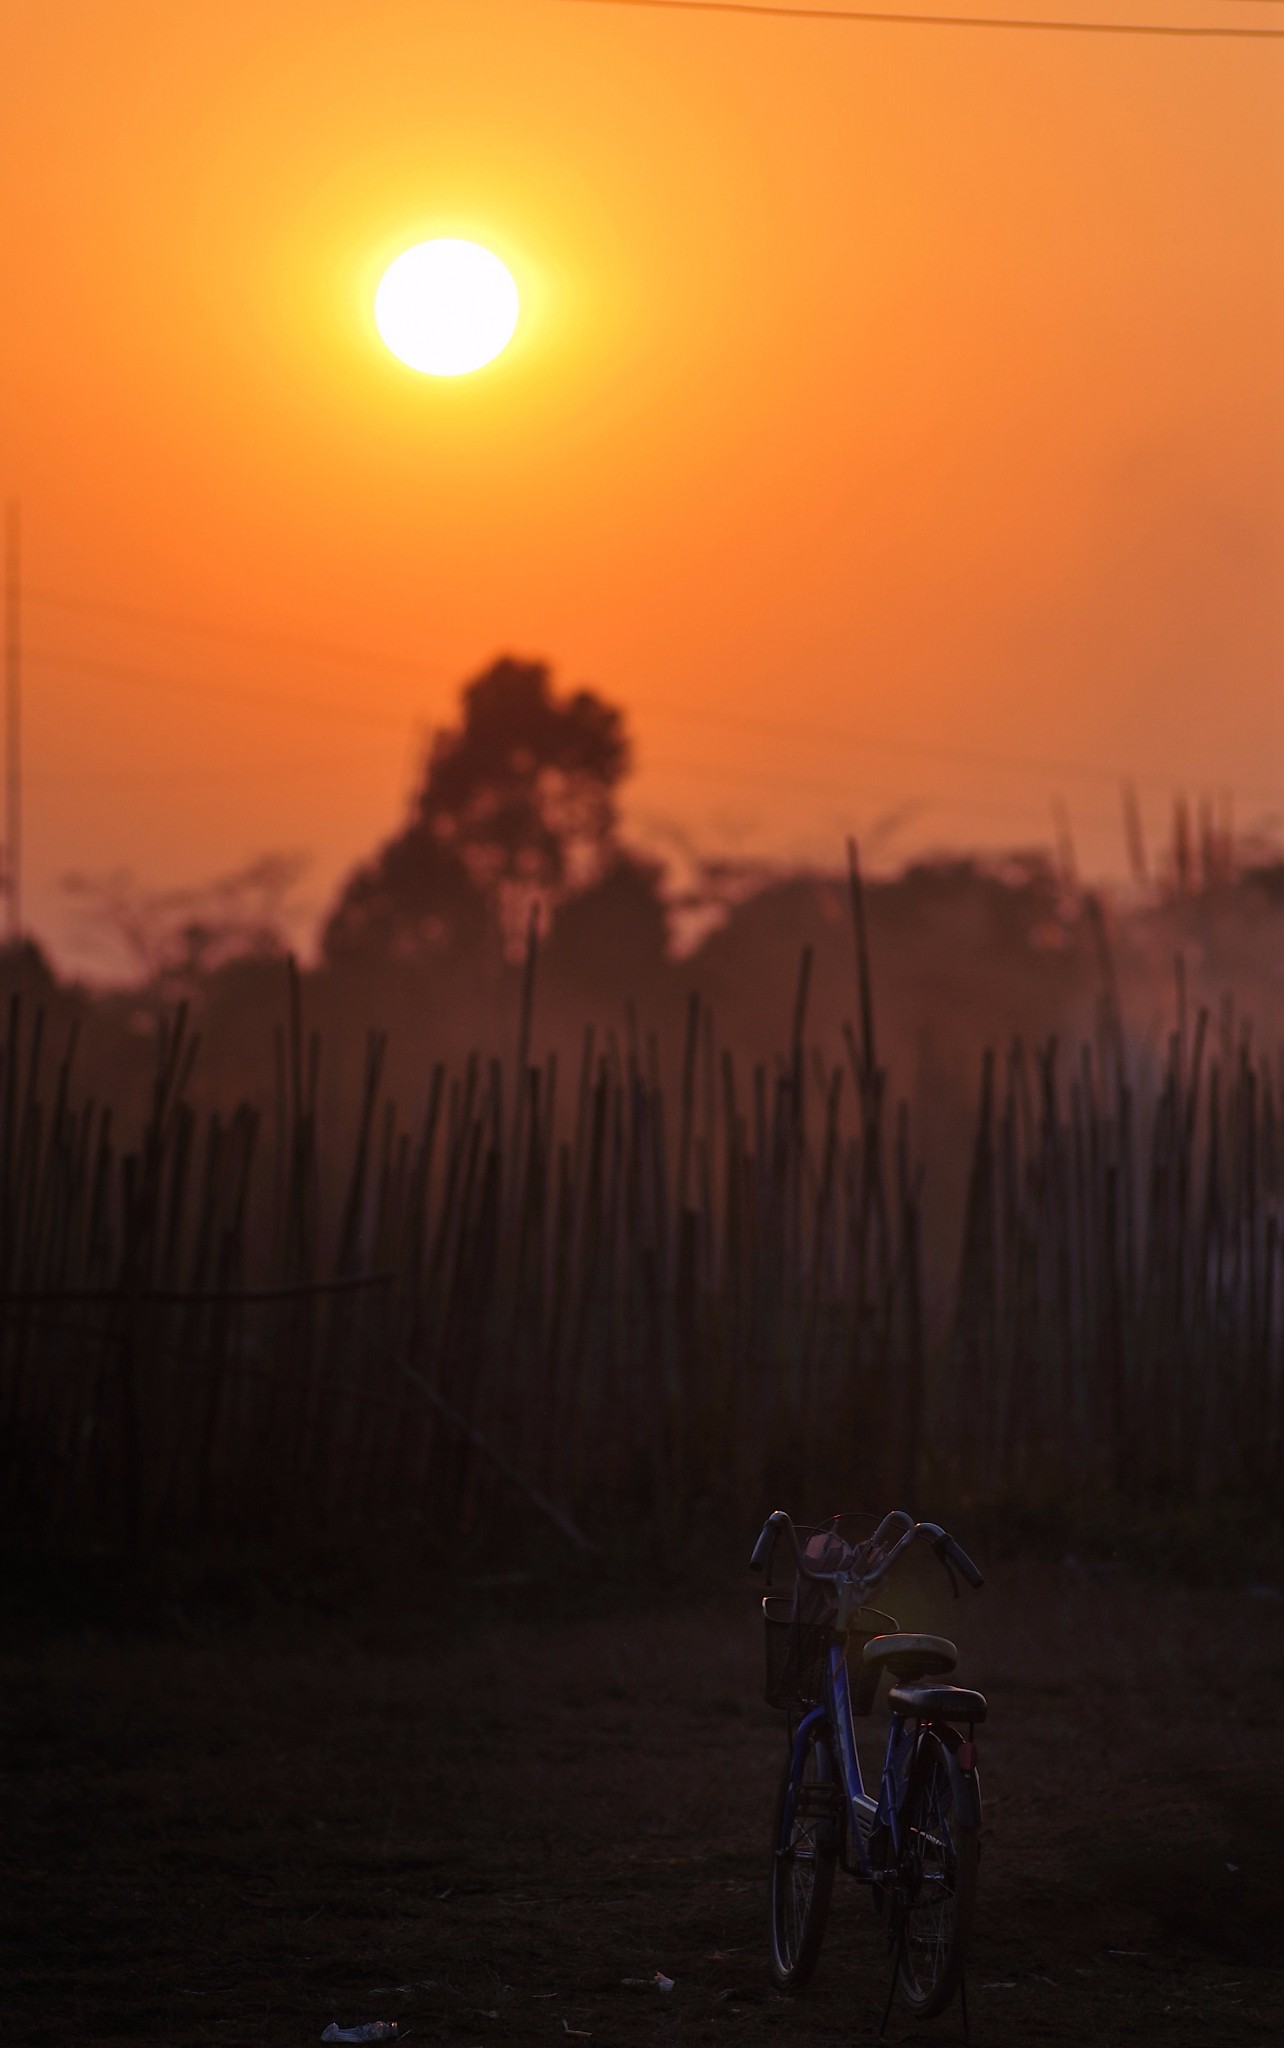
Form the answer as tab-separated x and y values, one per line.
968	757
703	772
270	643
1070	28
921	750
187	778
973	757
13	719
233	693
692	771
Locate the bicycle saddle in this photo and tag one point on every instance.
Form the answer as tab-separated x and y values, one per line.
910	1656
938	1702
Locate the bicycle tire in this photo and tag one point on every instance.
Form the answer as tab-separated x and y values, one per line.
934	1896
801	1878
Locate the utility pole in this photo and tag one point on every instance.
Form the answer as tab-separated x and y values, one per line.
13	721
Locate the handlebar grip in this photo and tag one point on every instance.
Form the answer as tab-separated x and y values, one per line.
763	1547
962	1562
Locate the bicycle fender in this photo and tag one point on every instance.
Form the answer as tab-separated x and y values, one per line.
798	1750
965	1785
801	1733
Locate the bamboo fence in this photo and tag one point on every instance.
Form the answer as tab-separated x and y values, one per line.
590	1293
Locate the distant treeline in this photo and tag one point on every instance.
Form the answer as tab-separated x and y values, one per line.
517	810
591	1223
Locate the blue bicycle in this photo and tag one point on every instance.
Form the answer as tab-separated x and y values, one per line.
916	1844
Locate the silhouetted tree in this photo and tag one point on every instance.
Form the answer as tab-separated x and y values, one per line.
611	941
517	806
414	901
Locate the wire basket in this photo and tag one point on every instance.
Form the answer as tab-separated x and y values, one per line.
799	1626
798	1650
797	1653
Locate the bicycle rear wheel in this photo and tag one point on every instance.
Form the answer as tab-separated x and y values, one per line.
935	1890
804	1845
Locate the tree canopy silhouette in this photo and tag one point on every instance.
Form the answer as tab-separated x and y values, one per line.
517	807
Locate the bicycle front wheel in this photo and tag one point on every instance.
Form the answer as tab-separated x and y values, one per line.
804	1845
935	1890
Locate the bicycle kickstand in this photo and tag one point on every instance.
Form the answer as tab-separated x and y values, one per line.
967	2031
898	1952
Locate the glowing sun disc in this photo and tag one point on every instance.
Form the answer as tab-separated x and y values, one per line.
446	307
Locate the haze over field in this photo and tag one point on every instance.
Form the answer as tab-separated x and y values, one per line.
893	426
641	877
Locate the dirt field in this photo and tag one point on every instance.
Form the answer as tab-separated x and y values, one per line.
237	1836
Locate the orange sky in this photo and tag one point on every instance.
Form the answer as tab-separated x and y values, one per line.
881	395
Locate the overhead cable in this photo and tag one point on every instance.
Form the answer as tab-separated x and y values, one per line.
268	643
662	711
986	21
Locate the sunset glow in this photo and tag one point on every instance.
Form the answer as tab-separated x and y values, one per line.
641	875
446	307
893	426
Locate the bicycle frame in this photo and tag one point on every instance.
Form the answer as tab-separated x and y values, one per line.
863	1813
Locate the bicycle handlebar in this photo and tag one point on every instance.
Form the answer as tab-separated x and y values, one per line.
959	1558
943	1544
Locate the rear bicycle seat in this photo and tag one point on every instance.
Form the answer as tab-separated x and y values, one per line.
938	1703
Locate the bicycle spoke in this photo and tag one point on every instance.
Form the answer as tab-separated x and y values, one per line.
802	1871
935	1910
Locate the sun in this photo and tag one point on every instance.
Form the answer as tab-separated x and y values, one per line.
446	307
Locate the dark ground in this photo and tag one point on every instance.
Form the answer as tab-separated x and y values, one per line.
234	1835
